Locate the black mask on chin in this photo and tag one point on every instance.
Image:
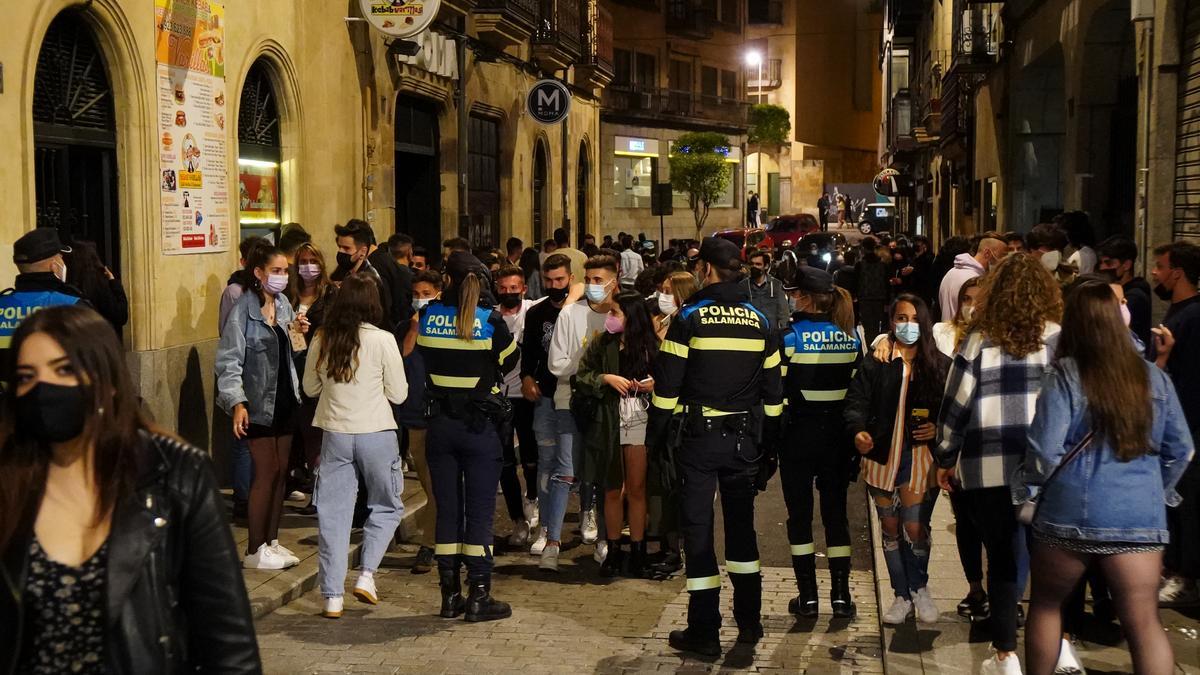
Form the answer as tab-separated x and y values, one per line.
509	300
1163	292
51	413
557	294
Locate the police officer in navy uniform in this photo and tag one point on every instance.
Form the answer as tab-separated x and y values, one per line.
41	282
820	356
466	347
717	389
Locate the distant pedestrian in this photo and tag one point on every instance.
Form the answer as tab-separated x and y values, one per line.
766	292
98	284
823	211
752	210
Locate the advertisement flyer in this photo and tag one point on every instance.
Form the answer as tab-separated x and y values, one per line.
193	154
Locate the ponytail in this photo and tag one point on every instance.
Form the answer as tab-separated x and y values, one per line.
468	298
842	311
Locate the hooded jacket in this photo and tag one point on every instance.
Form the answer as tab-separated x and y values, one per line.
965	267
771	300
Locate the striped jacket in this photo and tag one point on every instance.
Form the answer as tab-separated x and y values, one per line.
989	404
456	366
819	360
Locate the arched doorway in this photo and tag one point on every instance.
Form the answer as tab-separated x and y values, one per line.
418	183
75	139
1038	117
541	191
260	194
582	178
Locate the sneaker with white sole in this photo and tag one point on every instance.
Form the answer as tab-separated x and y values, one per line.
1068	660
297	496
539	542
332	608
530	507
364	589
926	608
281	550
994	665
549	559
587	526
601	552
520	535
265	558
899	612
1177	591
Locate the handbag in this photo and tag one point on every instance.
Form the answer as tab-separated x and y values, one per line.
1028	510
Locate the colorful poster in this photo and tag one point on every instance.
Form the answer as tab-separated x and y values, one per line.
258	192
193	155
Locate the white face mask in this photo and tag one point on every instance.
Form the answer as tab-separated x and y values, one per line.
1050	260
62	273
666	303
967	312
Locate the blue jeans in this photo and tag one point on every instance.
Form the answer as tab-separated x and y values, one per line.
376	456
557	438
907	560
243	469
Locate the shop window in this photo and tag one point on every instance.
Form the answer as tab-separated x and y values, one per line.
483	179
633	181
259	154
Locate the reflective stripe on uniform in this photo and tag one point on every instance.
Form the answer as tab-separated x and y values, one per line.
728	344
771	361
737	567
773	410
704	583
447	549
673	348
713	412
512	346
821	358
783	370
453	343
838	552
663	402
5	341
804	549
475	550
824	395
453	382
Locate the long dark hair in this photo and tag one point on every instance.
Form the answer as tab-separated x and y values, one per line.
259	258
357	303
1114	377
641	340
929	371
85	270
111	426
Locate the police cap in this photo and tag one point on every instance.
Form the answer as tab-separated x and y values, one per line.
810	280
37	245
720	252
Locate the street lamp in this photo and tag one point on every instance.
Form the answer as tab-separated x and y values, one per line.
755	59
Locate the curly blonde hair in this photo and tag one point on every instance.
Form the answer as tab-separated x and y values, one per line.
1017	297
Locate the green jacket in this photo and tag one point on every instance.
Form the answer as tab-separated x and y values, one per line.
603	463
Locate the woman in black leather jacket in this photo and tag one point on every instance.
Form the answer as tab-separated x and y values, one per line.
116	557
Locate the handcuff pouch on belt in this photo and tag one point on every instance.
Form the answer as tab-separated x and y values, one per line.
472	409
747	425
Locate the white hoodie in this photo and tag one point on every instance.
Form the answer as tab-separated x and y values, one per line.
575	329
965	267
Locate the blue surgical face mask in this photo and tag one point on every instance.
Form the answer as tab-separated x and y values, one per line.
597	293
907	332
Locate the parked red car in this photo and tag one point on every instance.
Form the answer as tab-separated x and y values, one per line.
783	231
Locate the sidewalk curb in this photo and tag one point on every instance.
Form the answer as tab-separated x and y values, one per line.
302	578
880	563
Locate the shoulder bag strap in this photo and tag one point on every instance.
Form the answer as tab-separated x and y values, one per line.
1067	459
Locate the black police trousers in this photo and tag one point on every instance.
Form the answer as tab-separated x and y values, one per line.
815	449
710	457
464	467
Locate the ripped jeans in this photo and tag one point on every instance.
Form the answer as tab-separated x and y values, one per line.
558	443
906	539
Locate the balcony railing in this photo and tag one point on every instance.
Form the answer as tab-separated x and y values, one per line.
771	73
559	25
596	64
631	99
506	22
688	18
976	35
765	11
900	122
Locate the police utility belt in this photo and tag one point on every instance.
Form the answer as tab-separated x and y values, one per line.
698	420
473	408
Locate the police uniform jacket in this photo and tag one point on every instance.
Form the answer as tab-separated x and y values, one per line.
720	355
32	292
467	368
819	361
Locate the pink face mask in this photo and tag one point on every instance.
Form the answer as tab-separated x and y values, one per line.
613	325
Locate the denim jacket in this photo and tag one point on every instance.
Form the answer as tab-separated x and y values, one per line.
1097	497
248	359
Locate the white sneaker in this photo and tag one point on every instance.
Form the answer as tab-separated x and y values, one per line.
520	535
927	611
283	551
530	507
1068	660
265	558
364	590
587	526
332	608
1177	591
601	551
995	666
297	496
549	558
539	542
899	612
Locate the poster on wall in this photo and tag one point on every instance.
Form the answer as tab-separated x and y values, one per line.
192	148
258	192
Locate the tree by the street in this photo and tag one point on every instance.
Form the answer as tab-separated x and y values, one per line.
700	170
770	126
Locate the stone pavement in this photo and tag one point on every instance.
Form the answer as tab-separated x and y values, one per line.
953	645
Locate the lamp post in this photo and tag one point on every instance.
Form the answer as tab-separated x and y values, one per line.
755	59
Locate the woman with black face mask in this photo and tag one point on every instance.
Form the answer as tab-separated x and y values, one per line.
116	555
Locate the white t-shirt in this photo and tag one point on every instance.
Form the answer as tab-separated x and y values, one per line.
575	329
511	388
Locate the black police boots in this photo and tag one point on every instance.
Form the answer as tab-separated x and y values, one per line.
805	604
481	606
689	640
843	603
453	603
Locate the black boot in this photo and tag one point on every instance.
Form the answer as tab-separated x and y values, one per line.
750	634
611	567
843	603
692	641
481	606
806	604
453	603
637	560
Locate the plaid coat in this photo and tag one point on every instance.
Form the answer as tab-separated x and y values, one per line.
987	409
